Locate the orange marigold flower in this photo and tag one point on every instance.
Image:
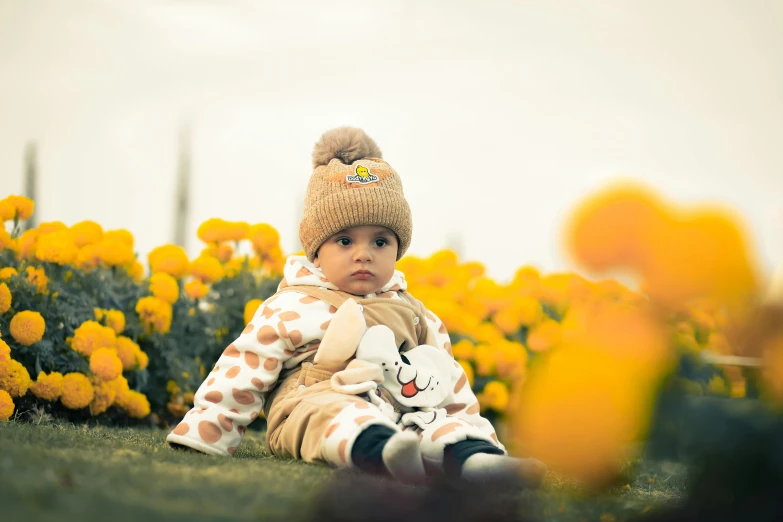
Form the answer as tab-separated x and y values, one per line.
48	387
154	314
5	352
196	289
170	259
88	257
14	378
165	287
250	309
264	237
222	251
23	207
6	241
113	252
142	360
206	268
51	226
92	335
544	336
104	395
120	235
37	276
105	363
27	243
114	319
495	396
7	210
57	247
6	406
135	271
119	385
86	233
7	273
216	230
77	391
126	351
27	327
5	298
134	403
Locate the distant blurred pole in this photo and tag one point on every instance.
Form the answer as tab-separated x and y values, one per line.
30	183
182	195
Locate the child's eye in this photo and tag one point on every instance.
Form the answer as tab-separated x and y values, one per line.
344	241
381	242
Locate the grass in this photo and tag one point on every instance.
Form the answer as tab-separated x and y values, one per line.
62	472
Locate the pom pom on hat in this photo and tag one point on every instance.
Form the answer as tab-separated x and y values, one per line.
347	144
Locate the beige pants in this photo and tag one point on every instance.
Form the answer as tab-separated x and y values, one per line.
308	420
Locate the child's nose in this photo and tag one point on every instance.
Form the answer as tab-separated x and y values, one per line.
362	253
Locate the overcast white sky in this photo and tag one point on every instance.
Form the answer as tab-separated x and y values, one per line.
498	115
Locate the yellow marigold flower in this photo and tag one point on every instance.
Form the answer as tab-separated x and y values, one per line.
115	253
507	320
510	360
57	247
50	227
170	259
495	396
6	406
250	309
134	403
172	388
77	391
216	230
5	298
86	233
487	333
264	237
206	268
196	289
88	257
468	369
529	311
142	360
135	271
119	385
484	357
463	350
6	241
5	352
222	251
91	336
104	395
7	273
126	351
114	319
544	336
165	287
37	276
154	314
105	363
14	378
120	235
7	210
48	387
23	207
27	327
27	243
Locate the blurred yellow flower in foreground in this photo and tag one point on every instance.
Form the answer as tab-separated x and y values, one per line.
27	327
584	402
544	336
22	207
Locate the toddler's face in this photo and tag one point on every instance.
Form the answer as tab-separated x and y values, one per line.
359	260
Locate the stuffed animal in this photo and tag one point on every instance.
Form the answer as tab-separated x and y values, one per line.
417	380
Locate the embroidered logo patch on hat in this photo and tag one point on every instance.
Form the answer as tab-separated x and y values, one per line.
363	176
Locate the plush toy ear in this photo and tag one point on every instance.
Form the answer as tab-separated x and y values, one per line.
377	345
342	336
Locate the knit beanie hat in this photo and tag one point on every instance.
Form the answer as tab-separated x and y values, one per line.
351	186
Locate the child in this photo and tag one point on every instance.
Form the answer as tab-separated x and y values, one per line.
356	225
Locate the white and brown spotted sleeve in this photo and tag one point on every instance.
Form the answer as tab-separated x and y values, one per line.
461	402
284	330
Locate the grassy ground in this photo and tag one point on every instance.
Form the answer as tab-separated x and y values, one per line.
65	473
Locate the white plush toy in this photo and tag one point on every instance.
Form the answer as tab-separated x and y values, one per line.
418	379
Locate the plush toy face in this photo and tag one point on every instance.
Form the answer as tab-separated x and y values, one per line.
418	378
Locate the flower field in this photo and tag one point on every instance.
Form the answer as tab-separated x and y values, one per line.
92	333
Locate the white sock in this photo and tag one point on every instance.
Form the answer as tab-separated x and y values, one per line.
402	457
485	467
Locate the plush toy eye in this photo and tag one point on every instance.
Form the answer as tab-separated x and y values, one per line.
405	359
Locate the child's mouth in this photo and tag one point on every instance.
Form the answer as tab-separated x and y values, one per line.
362	275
